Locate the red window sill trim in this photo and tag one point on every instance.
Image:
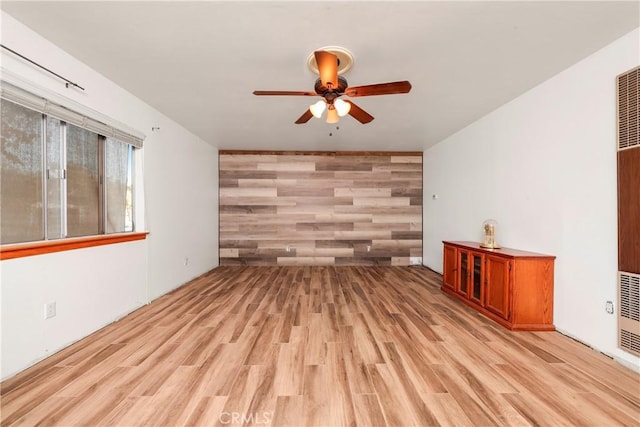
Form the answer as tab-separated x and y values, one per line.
21	250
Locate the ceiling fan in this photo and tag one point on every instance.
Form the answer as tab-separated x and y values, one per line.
330	86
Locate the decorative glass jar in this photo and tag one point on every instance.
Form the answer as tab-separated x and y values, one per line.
489	234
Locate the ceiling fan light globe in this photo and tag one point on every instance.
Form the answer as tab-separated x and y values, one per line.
342	107
318	108
332	116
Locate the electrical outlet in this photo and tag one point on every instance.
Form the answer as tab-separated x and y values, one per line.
415	260
186	261
50	310
288	248
368	248
609	307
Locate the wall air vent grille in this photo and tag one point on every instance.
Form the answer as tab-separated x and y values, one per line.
630	341
629	312
630	296
629	109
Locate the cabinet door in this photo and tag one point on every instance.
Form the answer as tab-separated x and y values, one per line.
497	287
476	293
463	273
449	268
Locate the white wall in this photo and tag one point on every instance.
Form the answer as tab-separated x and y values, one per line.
544	167
181	178
92	287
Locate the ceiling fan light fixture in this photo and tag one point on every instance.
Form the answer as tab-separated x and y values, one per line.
318	108
329	62
332	115
342	107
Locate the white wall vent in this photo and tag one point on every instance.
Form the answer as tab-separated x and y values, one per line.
629	312
629	109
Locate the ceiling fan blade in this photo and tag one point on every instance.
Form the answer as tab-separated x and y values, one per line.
359	114
304	118
379	89
328	68
283	92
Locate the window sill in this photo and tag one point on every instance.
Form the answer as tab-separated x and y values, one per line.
21	250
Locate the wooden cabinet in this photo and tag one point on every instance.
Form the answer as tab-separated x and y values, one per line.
512	287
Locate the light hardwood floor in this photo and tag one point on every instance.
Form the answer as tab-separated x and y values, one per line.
319	346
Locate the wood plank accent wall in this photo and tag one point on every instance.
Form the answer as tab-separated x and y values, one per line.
326	208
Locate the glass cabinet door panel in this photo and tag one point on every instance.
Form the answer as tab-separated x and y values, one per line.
477	277
464	272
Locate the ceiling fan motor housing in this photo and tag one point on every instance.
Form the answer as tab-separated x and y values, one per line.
324	91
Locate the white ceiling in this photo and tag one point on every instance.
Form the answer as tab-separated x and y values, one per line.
198	62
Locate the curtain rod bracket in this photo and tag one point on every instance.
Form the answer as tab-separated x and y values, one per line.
67	81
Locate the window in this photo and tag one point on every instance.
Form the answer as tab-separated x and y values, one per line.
119	186
60	179
21	173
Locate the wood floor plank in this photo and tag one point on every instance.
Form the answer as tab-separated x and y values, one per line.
395	406
264	399
418	363
447	410
222	368
609	373
173	401
341	396
207	412
465	396
316	347
108	401
288	411
477	374
585	381
137	413
406	330
264	344
357	372
317	410
603	411
208	342
330	322
20	404
368	411
113	418
413	393
486	385
45	414
534	411
290	369
365	341
286	322
469	345
325	346
532	383
301	310
244	388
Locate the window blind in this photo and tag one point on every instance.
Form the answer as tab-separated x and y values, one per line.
27	99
